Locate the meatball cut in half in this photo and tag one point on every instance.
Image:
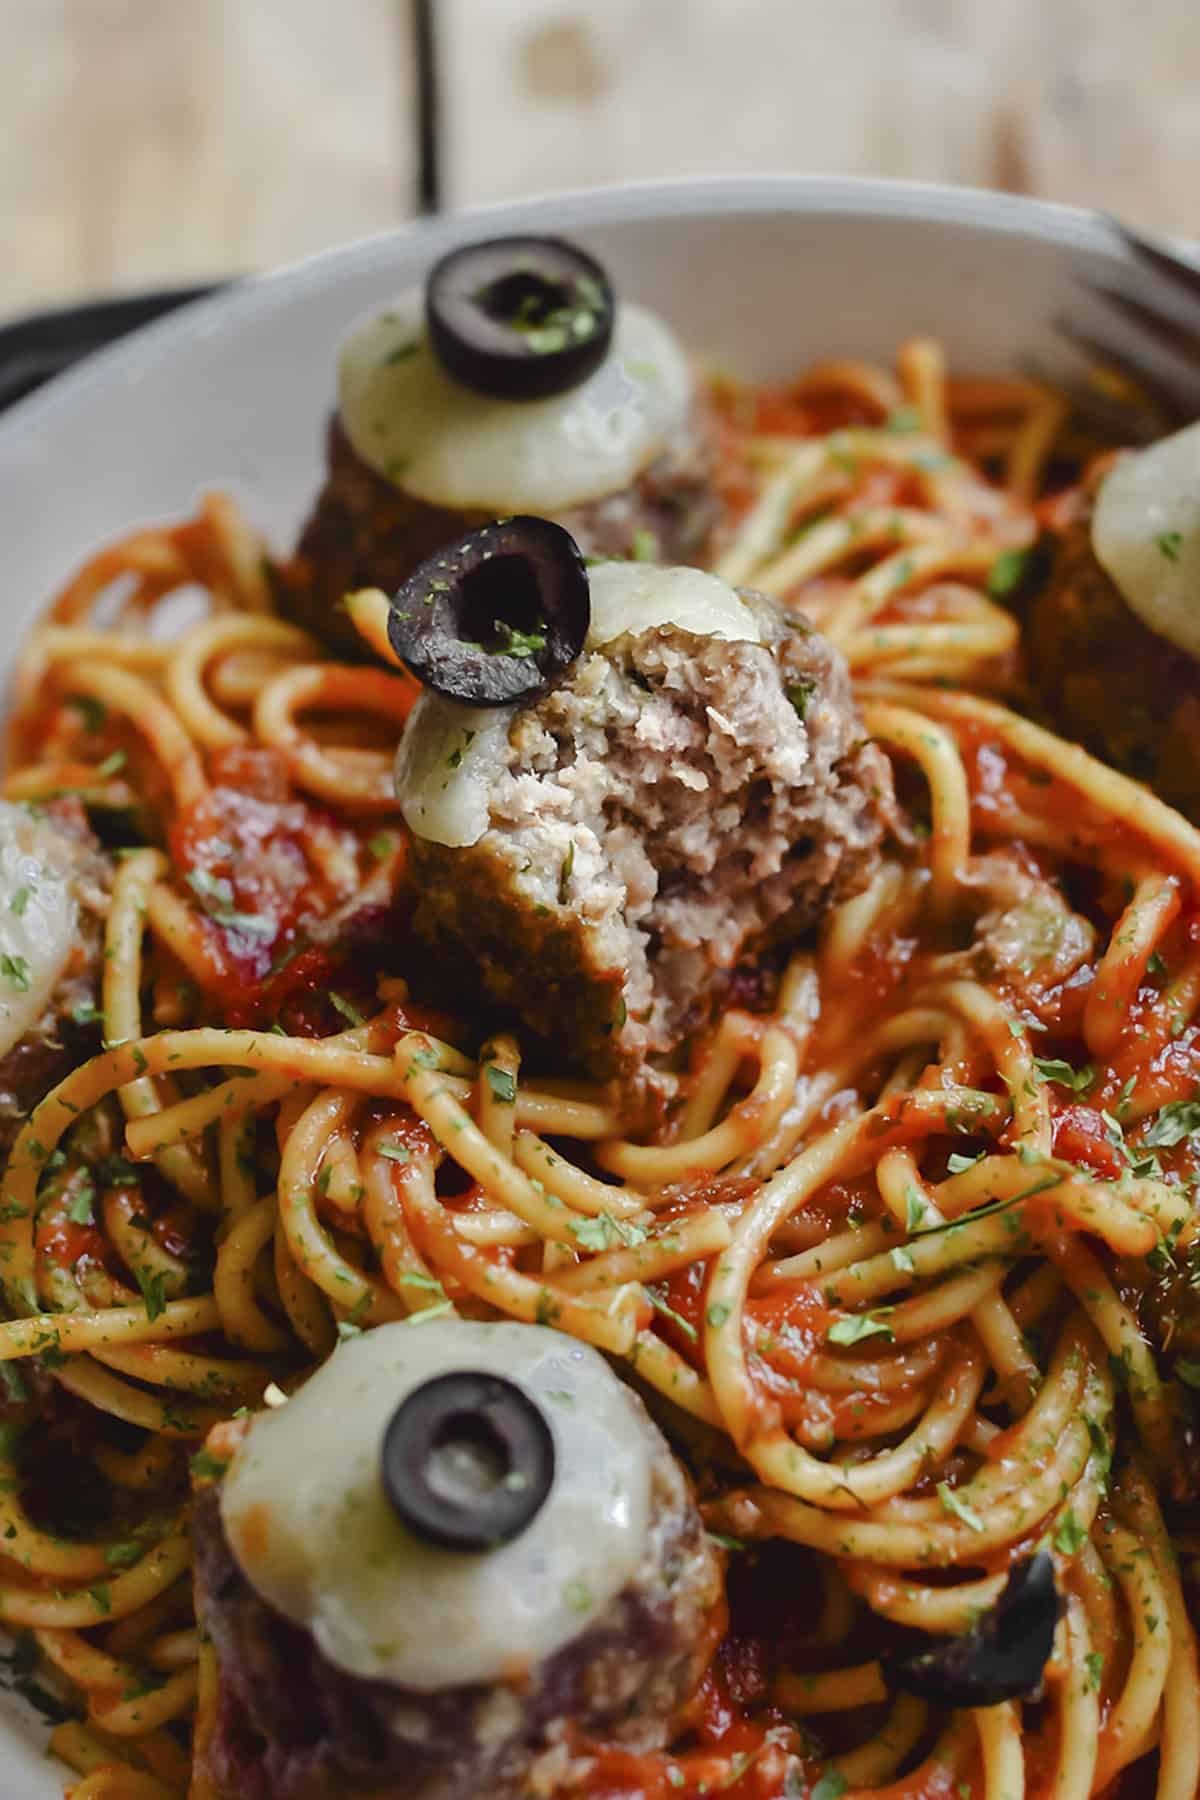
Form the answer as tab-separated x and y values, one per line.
1114	637
602	855
513	382
54	882
492	1552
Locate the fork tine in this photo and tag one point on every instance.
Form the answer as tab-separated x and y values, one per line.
1173	411
1163	327
1100	416
1185	275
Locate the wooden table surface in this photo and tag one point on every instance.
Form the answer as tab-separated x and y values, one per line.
160	141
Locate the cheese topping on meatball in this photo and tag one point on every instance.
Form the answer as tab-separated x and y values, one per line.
450	753
1146	534
38	918
445	444
316	1536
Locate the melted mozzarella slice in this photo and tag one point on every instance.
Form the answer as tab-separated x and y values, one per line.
448	759
1146	533
450	754
304	1508
445	444
634	596
38	917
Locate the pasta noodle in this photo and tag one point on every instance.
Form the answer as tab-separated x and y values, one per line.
883	1253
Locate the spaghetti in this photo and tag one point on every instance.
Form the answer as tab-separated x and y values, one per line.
895	1253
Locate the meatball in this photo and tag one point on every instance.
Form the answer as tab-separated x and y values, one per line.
687	795
292	1722
364	531
54	882
1106	680
624	458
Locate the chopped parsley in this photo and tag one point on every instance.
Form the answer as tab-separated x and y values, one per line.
207	1467
799	694
123	1555
19	902
436	1311
16	970
216	895
604	1232
502	1083
1069	1535
1177	1120
382	845
415	1278
399	1153
1007	573
905	419
153	1287
857	1326
519	643
659	1303
401	353
916	1208
1169	544
110	766
79	1210
962	1509
1053	1068
831	1786
644	547
350	1013
86	1013
717	1314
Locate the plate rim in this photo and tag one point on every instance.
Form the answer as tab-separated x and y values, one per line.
859	196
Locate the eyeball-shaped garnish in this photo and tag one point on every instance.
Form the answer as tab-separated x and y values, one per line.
308	1504
467	1461
440	441
519	318
496	616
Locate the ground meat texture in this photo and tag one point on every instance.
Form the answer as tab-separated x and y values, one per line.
68	1030
1026	935
365	531
1107	681
675	805
290	1725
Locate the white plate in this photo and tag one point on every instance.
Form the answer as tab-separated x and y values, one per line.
233	392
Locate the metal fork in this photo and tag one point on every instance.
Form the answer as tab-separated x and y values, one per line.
1126	396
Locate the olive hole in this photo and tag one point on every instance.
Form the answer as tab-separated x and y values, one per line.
499	603
523	298
468	1459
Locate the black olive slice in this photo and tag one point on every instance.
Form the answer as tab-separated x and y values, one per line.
468	1461
496	616
1002	1657
519	318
